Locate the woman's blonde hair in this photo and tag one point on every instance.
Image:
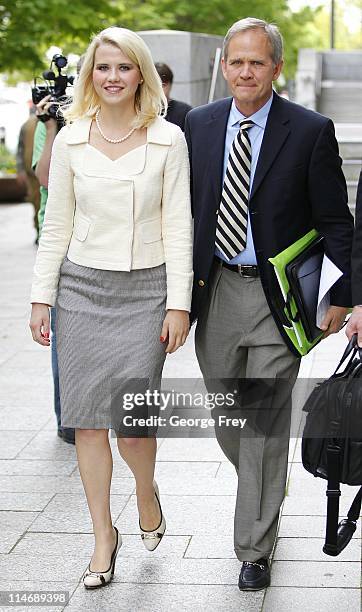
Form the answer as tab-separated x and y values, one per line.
150	100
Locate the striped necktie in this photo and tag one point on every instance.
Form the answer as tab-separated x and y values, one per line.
232	218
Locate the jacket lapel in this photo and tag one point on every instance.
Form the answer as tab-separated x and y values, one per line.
214	143
277	130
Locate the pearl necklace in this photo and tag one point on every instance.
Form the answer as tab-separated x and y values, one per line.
112	140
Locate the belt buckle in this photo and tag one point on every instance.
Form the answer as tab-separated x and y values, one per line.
242	272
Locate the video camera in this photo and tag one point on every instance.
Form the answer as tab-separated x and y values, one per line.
56	90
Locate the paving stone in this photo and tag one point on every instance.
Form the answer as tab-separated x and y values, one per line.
58	484
31	361
12	527
181	449
20	502
281	599
12	442
329	574
183	485
69	513
26	395
48	544
302	549
63	568
169	469
217	547
315	504
306	527
11	379
51	424
186	515
160	597
25	467
226	470
180	571
23	418
45	445
292	447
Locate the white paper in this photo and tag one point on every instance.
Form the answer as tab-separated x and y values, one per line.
329	275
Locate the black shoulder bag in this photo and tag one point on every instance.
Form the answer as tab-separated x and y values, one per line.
332	442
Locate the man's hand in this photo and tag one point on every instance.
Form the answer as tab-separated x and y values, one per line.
354	325
42	111
175	329
333	320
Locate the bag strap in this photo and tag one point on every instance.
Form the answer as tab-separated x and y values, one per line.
333	494
351	350
338	534
355	509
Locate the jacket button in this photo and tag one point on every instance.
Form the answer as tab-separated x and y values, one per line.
201	283
217	212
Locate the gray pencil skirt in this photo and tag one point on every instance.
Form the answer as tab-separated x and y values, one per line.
108	343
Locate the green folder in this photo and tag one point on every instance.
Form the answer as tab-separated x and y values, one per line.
295	330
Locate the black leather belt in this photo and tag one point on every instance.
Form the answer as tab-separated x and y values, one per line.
248	271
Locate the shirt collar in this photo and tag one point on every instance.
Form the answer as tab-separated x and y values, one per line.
259	118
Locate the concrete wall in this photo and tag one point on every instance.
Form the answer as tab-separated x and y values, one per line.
342	65
191	58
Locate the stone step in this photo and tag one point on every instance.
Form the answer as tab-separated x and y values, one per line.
341	102
350	150
352	191
342	65
352	168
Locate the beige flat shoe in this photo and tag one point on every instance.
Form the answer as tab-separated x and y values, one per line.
151	539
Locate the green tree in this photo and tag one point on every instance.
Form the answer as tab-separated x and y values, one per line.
345	38
29	27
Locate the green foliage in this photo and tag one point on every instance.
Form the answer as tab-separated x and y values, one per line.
7	161
344	39
216	16
29	27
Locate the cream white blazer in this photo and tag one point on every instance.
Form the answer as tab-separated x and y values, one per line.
126	214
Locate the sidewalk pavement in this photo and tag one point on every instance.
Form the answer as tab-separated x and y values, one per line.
45	530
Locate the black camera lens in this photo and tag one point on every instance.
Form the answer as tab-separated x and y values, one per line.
60	61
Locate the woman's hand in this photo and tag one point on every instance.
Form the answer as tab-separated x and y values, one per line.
40	324
175	329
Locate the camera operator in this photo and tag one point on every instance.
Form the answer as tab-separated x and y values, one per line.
45	133
44	136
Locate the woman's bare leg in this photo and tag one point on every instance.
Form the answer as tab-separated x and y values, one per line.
140	456
95	467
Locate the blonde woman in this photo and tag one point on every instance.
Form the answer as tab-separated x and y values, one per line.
116	257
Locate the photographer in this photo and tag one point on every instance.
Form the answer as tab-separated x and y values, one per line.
49	123
45	133
44	136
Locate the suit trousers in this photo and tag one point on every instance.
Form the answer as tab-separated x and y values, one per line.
238	344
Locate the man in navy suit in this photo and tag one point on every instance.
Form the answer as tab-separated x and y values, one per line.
252	197
355	322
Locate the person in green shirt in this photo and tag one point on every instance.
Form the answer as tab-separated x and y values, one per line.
45	133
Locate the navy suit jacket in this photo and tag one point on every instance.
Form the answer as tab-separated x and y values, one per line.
298	185
357	249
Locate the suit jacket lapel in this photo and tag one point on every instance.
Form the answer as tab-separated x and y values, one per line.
214	147
276	132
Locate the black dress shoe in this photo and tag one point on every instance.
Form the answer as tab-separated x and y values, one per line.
67	435
255	575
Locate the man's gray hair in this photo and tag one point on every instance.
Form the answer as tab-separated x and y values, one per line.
251	23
